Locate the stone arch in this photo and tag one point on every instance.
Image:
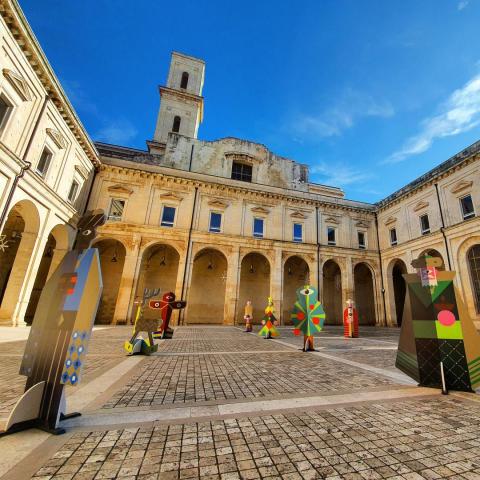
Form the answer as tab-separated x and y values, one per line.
364	285
20	233
206	298
332	292
397	289
296	273
112	254
254	285
434	253
158	269
466	277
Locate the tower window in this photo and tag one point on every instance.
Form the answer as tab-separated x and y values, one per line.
184	82
241	171
176	124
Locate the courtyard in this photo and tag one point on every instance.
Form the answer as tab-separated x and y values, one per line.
218	403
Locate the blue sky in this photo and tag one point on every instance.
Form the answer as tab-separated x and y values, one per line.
370	94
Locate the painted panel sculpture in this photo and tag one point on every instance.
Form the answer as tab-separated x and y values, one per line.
58	340
248	317
269	321
350	320
308	315
166	306
437	335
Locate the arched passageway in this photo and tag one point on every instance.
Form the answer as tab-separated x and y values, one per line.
364	294
254	286
159	269
332	293
206	299
473	259
434	253
112	257
19	236
398	290
295	275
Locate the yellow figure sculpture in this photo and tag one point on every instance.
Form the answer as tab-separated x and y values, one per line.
269	321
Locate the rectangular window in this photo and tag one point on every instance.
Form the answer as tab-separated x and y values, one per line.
297	232
44	162
331	236
361	240
168	216
258	227
466	204
5	110
241	171
393	236
116	210
424	224
215	222
72	194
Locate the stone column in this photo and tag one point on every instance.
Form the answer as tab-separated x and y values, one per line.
276	283
232	285
348	287
125	288
178	287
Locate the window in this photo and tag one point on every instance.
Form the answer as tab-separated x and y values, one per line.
44	162
176	124
393	237
168	216
116	210
241	171
258	227
424	224
474	264
5	110
184	82
215	222
331	236
361	240
466	204
72	194
297	232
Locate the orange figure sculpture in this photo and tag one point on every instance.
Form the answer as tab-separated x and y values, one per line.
248	317
350	320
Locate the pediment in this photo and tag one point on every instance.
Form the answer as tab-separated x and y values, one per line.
362	224
172	197
462	185
57	138
420	206
332	220
18	83
241	157
260	210
299	215
81	171
390	220
218	204
120	189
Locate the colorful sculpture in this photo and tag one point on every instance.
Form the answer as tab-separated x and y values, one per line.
166	306
307	315
58	340
439	345
139	345
269	321
350	320
248	317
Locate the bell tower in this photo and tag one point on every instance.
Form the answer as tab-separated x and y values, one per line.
181	101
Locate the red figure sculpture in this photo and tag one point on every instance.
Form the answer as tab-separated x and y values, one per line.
350	320
166	305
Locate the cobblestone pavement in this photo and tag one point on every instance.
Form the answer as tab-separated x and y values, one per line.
433	439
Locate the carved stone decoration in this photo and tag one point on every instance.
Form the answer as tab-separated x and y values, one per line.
299	215
390	220
171	197
332	220
260	210
120	189
462	185
362	224
57	138
81	171
420	205
218	204
18	83
241	158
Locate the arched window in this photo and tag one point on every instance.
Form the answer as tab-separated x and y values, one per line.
184	82
176	124
473	256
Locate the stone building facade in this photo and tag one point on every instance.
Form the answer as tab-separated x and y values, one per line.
217	222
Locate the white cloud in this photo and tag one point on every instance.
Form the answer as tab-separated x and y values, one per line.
339	174
460	113
349	108
463	4
117	132
78	97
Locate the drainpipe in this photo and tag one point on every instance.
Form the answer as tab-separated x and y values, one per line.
191	158
318	251
187	259
443	227
381	273
26	167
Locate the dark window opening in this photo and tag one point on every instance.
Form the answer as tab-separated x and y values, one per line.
241	171
424	224
168	216
331	236
297	232
215	222
176	124
467	207
361	240
258	227
393	236
184	82
44	162
5	110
